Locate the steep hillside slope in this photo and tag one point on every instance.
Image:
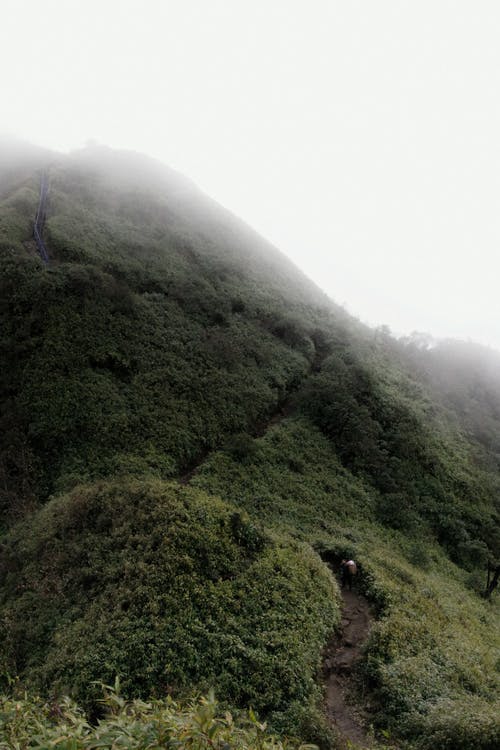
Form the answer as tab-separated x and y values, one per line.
165	344
465	377
127	351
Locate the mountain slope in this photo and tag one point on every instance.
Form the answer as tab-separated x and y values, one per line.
167	341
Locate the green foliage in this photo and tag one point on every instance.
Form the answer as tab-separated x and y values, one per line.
432	656
17	215
455	725
292	479
28	722
96	372
435	639
167	340
167	587
383	438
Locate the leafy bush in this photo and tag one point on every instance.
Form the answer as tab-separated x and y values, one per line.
456	725
434	639
29	722
167	587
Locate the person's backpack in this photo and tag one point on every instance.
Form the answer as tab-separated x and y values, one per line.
352	567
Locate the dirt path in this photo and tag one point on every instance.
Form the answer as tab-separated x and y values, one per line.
283	410
341	655
40	218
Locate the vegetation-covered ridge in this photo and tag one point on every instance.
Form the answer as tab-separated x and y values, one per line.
168	587
167	344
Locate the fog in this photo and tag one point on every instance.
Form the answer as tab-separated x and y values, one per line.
359	137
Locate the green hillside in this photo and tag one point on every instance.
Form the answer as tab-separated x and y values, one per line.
191	431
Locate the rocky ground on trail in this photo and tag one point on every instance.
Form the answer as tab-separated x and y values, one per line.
340	657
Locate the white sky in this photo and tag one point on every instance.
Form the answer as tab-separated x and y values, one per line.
362	137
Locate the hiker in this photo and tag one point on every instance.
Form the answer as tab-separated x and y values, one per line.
348	570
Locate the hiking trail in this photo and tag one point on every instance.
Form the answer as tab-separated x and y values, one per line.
283	409
341	655
343	651
40	218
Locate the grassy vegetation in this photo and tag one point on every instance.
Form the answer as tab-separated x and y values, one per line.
433	656
135	350
166	340
32	723
434	650
168	588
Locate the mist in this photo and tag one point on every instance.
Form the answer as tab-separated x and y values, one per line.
361	138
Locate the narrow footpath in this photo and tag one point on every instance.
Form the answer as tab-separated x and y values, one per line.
340	657
283	410
40	218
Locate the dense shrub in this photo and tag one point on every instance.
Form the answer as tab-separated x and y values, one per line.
166	587
434	642
384	439
29	722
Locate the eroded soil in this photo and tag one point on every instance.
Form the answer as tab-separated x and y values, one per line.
341	655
